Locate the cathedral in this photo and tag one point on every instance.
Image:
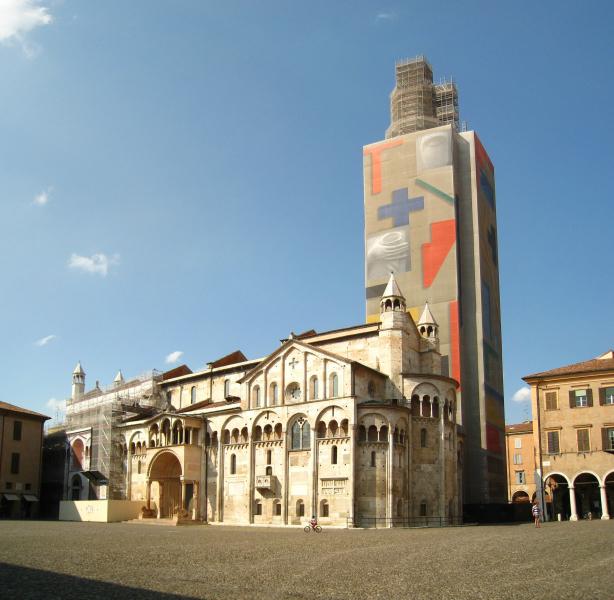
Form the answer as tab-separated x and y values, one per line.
357	426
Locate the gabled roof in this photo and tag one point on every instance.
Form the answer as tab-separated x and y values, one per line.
287	344
6	407
392	289
176	372
596	365
526	427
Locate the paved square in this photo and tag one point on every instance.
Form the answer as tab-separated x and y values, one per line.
81	560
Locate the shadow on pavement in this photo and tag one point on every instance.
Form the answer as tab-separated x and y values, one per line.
26	584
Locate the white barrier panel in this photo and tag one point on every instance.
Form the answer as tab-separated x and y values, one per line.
101	511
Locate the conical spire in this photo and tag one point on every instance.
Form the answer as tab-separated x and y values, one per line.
392	289
119	378
78	369
427	317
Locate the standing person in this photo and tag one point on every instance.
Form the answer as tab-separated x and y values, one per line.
536	512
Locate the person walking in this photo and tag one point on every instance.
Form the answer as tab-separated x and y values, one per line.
536	512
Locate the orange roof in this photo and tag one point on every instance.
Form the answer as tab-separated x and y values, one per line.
526	427
5	406
588	366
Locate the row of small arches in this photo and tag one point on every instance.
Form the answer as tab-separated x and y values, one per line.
375	434
164	434
314	391
426	406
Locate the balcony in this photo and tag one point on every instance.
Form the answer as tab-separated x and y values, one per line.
264	482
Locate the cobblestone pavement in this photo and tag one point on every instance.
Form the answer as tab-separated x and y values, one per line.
91	560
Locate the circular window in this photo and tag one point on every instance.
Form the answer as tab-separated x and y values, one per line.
293	392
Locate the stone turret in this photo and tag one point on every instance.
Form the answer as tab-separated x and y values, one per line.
78	382
393	311
428	327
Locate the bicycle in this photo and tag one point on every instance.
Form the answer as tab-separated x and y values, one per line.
309	527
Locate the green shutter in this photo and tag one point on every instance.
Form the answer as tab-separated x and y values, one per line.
572	399
602	396
604	439
589	397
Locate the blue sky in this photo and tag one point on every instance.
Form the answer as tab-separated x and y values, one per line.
187	176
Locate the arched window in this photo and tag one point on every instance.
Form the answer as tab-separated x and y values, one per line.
321	429
333	428
334	385
77	455
256	397
373	458
268	431
300	439
193	395
235	436
233	464
226	436
274	394
372	435
257	433
138	467
333	455
75	488
383	434
226	388
423	438
324	508
258	508
244	435
268	470
278	431
362	434
269	456
300	508
345	427
313	388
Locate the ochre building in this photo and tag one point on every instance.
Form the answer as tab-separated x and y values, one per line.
573	417
355	426
520	452
21	442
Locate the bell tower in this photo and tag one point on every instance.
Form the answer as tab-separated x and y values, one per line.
78	382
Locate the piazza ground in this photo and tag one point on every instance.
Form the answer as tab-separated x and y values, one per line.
91	560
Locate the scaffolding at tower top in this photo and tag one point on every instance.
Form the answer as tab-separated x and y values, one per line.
417	103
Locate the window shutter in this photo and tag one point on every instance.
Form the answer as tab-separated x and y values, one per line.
589	397
604	439
601	396
572	399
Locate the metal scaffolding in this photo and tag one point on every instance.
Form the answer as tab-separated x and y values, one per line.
416	103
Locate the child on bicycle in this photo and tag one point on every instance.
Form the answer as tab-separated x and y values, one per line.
313	522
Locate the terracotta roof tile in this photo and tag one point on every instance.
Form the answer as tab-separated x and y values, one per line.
588	366
520	428
24	411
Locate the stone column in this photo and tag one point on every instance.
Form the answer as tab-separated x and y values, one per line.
572	504
389	487
196	501
148	494
352	483
129	475
313	464
220	477
182	494
604	502
251	479
160	498
442	460
284	483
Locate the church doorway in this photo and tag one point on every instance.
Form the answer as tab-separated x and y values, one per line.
166	472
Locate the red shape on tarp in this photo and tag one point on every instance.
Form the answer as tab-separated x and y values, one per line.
443	236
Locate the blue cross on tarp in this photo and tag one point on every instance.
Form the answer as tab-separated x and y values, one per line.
400	207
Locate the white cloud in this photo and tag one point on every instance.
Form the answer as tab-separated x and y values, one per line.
58	406
173	357
19	17
385	16
42	198
44	341
97	263
522	395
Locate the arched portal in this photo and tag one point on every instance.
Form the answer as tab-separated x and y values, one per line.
164	479
588	500
557	488
520	497
609	492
